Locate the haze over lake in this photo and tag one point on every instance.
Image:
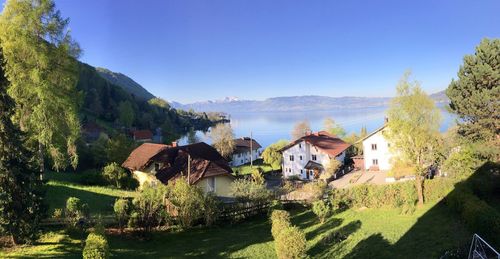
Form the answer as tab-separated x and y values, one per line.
268	127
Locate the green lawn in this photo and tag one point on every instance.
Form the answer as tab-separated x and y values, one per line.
100	199
246	169
369	233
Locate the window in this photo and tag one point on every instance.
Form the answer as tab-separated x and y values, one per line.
157	166
313	157
291	158
211	184
300	145
300	157
375	161
374	146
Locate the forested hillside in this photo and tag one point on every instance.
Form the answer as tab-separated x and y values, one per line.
125	82
109	104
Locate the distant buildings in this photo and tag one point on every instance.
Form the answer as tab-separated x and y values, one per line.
309	156
246	150
200	163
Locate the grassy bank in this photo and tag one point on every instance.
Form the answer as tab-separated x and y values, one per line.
247	169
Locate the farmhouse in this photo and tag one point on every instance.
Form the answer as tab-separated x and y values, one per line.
246	150
309	156
376	153
200	163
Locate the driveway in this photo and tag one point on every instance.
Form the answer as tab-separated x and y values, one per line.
359	177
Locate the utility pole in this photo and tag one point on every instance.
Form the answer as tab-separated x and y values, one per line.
189	167
251	149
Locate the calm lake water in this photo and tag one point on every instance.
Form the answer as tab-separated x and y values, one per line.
269	127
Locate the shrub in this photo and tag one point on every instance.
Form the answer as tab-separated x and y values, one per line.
115	175
57	214
321	209
280	219
91	178
148	208
99	227
339	199
257	176
121	209
314	190
96	247
188	200
248	190
211	208
75	211
291	243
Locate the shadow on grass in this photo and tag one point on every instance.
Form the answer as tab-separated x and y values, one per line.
56	196
334	237
439	230
214	242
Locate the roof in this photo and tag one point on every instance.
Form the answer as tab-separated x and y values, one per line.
313	165
243	144
328	143
142	155
205	162
142	134
373	133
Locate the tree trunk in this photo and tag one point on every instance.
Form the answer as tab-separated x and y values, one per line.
419	182
41	160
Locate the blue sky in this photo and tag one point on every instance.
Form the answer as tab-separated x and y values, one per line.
190	50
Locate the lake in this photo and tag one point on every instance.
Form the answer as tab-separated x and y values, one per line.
269	127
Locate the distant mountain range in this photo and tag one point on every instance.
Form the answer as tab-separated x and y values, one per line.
294	103
125	82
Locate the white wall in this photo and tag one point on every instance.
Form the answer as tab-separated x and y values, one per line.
244	158
306	150
382	154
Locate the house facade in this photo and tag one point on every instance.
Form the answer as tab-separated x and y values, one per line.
200	163
308	157
376	151
246	150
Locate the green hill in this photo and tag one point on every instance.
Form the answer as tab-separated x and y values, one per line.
125	82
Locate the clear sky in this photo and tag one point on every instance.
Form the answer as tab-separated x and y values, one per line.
190	50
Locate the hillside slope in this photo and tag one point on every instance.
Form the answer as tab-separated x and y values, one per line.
125	82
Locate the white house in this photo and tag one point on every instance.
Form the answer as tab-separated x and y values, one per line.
246	150
376	153
308	156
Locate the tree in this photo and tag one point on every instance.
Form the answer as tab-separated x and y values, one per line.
258	177
474	96
159	102
332	167
413	129
121	209
272	154
126	114
321	209
223	139
333	128
119	148
20	189
250	190
188	200
41	65
148	207
300	129
114	174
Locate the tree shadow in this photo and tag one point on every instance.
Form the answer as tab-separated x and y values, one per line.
334	237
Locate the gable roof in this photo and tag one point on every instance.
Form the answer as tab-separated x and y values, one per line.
373	133
328	143
205	162
142	156
142	134
243	144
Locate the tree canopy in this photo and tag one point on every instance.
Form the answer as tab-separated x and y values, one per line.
223	139
300	129
334	128
272	155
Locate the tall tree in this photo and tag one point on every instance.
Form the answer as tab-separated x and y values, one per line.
20	197
413	129
40	63
300	129
272	154
127	115
223	139
334	128
474	96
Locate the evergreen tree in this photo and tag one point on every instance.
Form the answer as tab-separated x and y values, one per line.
20	196
474	96
41	66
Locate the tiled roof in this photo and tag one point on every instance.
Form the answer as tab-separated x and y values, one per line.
324	141
142	155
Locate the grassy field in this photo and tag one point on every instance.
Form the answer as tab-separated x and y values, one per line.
246	169
369	233
61	186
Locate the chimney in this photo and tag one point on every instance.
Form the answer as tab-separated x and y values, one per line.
174	143
386	120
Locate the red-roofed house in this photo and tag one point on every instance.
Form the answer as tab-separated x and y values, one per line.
142	135
308	156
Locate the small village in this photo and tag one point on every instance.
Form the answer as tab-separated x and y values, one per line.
363	130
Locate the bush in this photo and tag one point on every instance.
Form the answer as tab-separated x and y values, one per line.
340	200
315	190
148	208
321	209
118	177
249	190
96	247
188	200
57	214
258	177
280	219
75	212
291	243
211	209
91	178
121	209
